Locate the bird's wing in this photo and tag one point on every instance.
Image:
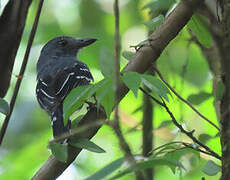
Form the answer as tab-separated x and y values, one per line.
70	77
53	87
46	98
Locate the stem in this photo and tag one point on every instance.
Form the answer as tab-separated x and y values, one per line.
185	101
116	124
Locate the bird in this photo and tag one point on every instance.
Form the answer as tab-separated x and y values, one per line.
58	72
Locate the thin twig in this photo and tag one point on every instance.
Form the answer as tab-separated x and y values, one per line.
185	144
116	60
156	100
188	145
22	70
185	101
77	130
190	134
116	124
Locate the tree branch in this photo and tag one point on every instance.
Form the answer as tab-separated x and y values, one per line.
143	59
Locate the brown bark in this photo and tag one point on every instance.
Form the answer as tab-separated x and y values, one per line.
224	46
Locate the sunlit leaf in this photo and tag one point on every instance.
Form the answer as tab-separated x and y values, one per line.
197	99
198	25
85	144
211	168
106	62
128	54
75	100
60	151
4	107
107	170
132	80
155	85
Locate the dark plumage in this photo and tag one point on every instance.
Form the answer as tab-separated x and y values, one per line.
58	72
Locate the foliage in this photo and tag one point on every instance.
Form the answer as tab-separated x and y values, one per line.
198	25
182	64
86	144
211	168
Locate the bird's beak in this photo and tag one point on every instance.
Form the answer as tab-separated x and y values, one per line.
86	41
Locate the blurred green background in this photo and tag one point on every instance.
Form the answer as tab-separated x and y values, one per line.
24	147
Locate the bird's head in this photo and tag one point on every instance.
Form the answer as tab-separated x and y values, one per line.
65	46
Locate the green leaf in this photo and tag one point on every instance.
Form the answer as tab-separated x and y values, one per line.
155	85
128	54
154	23
164	124
132	80
204	138
105	95
178	153
84	143
107	170
4	107
148	164
197	99
97	86
220	89
60	151
75	100
106	62
198	25
211	168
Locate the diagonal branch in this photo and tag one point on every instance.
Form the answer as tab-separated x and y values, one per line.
143	59
189	134
185	101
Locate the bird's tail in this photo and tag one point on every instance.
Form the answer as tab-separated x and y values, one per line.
57	122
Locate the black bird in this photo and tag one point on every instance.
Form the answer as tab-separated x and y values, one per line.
58	72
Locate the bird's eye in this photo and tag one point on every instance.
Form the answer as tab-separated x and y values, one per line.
62	42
